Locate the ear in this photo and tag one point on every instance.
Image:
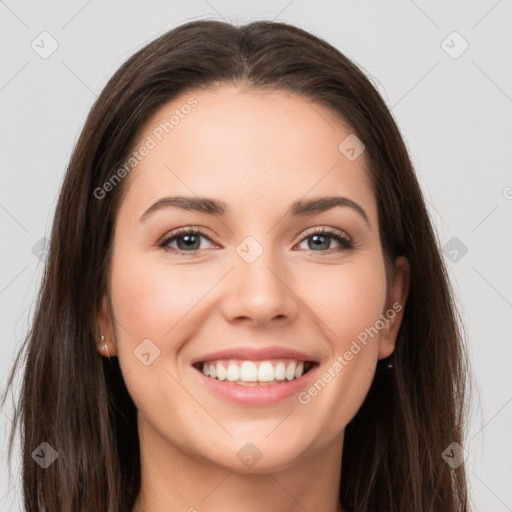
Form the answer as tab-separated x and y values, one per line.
394	309
105	328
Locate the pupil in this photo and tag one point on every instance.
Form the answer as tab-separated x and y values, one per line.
323	241
188	242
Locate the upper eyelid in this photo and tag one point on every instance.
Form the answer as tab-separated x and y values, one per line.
330	231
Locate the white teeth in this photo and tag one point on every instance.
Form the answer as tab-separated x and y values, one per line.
266	372
280	371
221	372
248	372
233	372
290	371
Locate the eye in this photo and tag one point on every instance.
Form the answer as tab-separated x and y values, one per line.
319	240
188	241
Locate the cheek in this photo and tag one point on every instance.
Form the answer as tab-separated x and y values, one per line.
348	301
150	298
151	302
350	306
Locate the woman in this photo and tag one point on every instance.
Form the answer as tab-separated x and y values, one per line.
244	306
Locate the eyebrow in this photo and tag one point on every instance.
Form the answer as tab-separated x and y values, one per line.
211	206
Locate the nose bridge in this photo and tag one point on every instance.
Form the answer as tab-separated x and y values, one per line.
259	286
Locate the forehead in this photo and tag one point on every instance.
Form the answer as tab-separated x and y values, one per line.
246	146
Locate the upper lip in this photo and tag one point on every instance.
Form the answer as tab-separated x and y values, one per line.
255	354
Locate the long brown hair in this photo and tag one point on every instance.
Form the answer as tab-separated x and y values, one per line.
76	400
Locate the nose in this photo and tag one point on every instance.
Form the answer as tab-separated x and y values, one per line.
260	292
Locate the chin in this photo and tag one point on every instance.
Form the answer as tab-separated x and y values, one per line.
258	454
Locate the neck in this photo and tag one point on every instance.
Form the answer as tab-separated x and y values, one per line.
174	480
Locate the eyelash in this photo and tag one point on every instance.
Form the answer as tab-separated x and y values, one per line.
346	243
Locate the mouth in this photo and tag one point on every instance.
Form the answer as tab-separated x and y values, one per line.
251	373
255	376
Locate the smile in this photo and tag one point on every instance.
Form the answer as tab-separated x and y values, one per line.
255	373
246	389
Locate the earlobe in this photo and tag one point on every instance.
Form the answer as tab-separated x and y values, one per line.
395	306
103	347
105	339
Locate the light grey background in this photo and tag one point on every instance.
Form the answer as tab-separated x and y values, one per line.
455	114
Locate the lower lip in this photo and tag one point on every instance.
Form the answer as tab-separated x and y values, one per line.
257	395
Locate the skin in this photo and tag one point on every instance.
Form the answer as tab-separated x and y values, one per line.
248	149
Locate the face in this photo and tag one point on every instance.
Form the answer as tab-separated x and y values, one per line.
287	304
